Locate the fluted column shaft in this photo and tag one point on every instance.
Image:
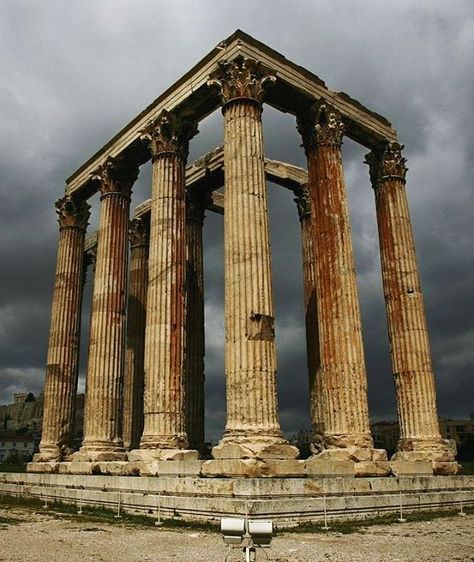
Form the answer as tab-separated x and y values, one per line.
164	399
341	348
103	408
317	406
136	323
64	337
250	354
408	334
194	347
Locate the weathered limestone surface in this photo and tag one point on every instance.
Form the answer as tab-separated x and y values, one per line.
136	322
64	337
317	407
342	367
164	434
252	428
194	338
103	410
408	334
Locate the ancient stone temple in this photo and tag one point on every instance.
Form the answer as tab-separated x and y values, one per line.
144	409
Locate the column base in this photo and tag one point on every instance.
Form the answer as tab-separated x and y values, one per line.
161	454
92	453
437	459
355	461
273	448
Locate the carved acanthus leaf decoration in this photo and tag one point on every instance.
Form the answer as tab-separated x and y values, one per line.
241	78
321	124
116	175
169	133
72	213
138	233
386	163
302	201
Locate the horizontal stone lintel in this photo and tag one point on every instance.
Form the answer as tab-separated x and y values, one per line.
191	96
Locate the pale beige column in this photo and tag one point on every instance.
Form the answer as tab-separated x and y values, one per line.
103	408
408	333
64	336
136	322
194	346
164	434
253	428
342	368
317	405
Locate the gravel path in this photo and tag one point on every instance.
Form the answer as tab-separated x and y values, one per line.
45	537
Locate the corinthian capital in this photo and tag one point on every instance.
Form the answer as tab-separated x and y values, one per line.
169	133
138	233
241	78
116	176
386	163
302	201
72	213
320	124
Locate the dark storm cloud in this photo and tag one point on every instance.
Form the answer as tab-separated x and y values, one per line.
73	74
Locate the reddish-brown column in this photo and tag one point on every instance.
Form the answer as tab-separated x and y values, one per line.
136	322
342	368
103	408
253	428
303	203
408	334
64	337
164	434
194	347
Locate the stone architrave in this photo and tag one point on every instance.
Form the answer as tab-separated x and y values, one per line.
64	337
317	407
194	343
253	428
164	433
136	323
104	397
420	437
342	369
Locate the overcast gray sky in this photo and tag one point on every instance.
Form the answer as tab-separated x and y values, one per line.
73	73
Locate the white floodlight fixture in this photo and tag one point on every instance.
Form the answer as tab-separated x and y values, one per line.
233	530
261	532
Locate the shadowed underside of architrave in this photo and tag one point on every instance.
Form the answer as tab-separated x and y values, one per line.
207	174
191	96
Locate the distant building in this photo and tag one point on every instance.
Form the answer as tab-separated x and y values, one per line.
457	429
385	435
16	447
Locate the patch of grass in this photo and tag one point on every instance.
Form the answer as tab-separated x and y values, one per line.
7	467
5	522
101	514
359	525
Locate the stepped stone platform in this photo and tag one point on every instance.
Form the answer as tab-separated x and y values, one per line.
287	501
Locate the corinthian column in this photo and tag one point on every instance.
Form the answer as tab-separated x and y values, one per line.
164	434
194	348
317	406
136	322
64	336
253	428
342	368
420	437
103	408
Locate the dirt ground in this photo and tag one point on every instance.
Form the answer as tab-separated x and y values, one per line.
26	535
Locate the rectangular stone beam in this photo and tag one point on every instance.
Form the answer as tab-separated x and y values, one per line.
207	173
190	95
